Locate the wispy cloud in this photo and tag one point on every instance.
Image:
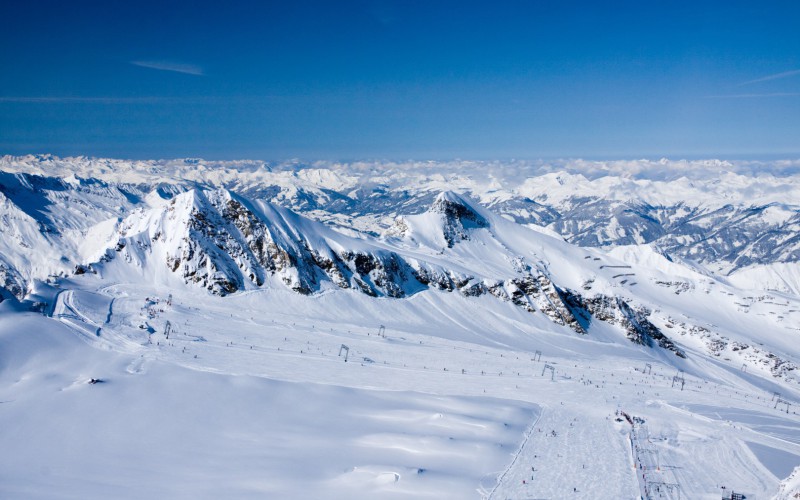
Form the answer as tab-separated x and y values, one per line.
187	69
776	76
199	99
752	96
84	100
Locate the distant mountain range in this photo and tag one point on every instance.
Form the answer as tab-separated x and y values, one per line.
659	261
723	216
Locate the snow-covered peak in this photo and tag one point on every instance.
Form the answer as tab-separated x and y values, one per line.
448	220
676	204
457	206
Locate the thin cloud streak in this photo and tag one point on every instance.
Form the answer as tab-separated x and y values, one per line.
776	76
86	100
752	96
186	69
255	99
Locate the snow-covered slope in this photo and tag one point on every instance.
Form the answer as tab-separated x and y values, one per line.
227	243
725	215
250	395
212	239
259	271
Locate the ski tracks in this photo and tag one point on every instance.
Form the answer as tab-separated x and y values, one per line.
517	454
564	453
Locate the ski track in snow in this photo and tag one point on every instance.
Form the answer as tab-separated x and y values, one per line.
502	477
565	457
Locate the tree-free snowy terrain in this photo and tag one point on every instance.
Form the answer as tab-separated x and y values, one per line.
726	216
240	347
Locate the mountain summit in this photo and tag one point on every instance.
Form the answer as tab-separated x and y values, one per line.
457	217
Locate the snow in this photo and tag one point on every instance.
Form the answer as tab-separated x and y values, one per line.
661	181
783	277
632	201
250	395
779	462
268	407
163	430
790	487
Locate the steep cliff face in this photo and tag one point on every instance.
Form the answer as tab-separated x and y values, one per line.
225	244
725	215
616	311
537	293
471	237
11	283
457	217
171	223
207	238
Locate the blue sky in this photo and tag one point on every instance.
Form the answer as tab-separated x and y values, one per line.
400	79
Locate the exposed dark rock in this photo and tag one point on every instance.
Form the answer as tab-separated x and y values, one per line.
616	311
458	217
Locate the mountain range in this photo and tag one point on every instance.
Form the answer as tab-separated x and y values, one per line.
553	245
380	329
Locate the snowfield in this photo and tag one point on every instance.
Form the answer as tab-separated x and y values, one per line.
153	428
199	339
249	396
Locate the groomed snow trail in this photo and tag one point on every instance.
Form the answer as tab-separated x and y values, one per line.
568	450
500	479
